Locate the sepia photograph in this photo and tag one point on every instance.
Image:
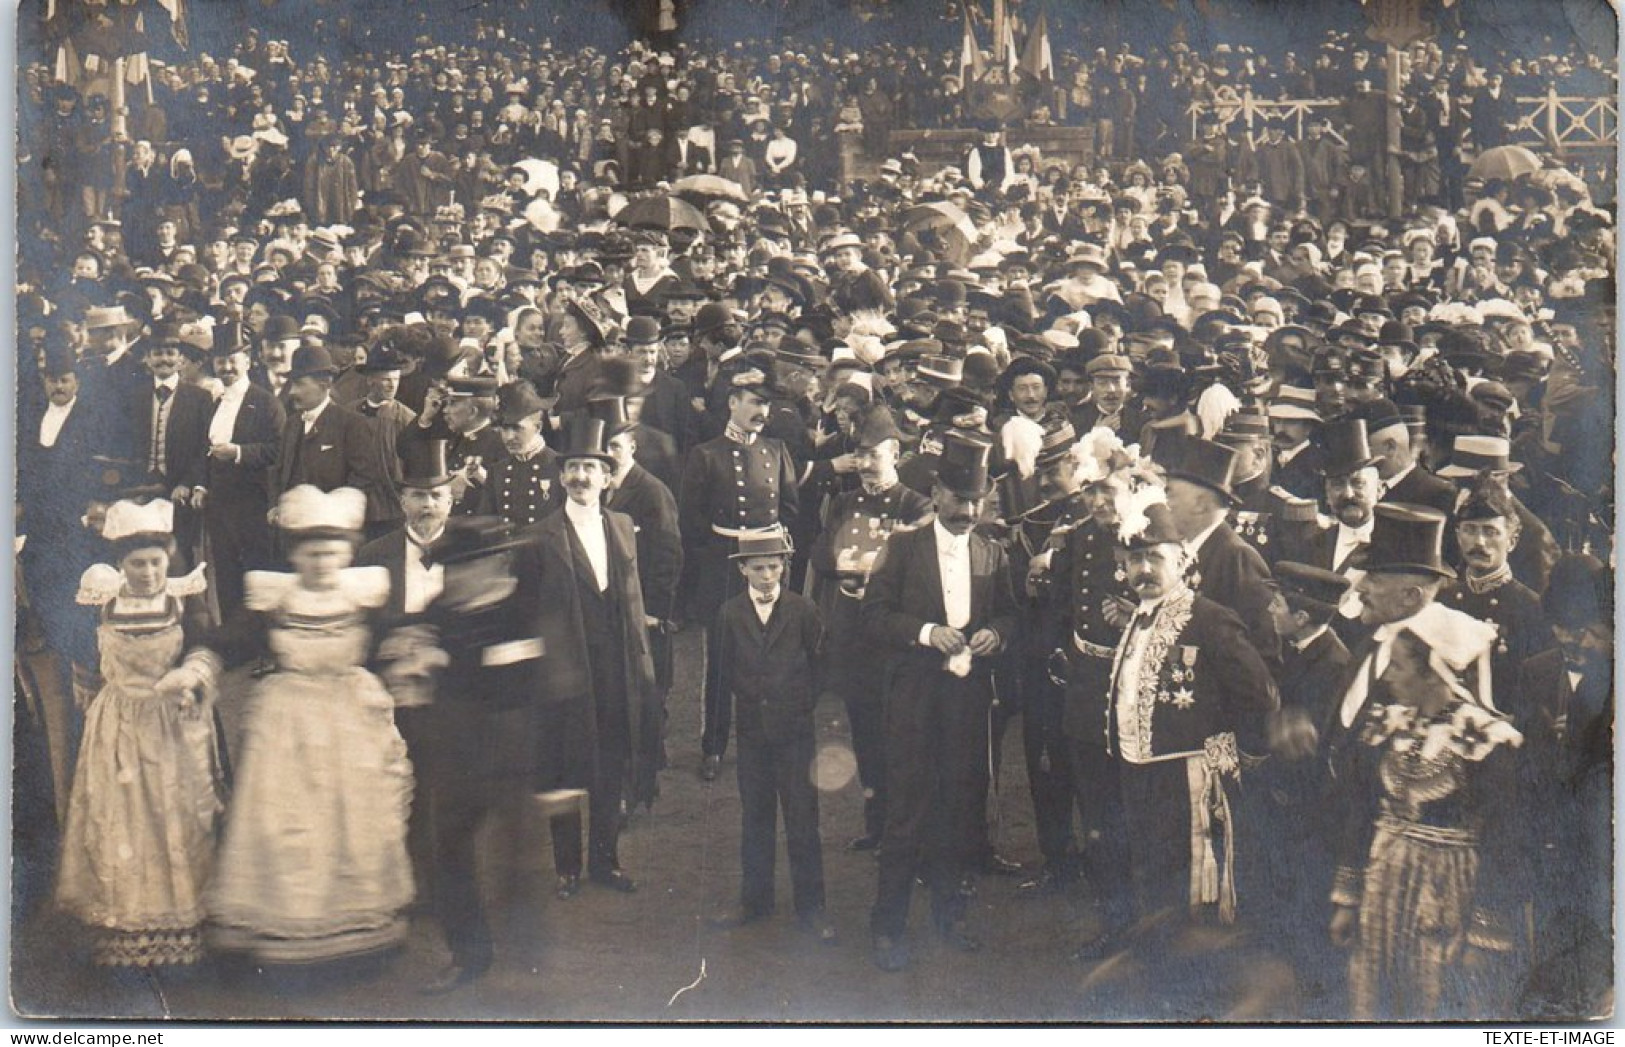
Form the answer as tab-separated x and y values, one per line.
814	512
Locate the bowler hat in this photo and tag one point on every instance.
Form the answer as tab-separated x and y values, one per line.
517	401
1405	539
311	360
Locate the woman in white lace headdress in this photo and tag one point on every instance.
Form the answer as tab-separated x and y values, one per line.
139	839
314	865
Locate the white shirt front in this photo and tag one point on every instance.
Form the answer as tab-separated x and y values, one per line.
50	426
423	584
225	412
313	414
764	605
1348	540
953	563
588	521
1132	743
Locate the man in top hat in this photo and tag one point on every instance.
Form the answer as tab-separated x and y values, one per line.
525	484
598	685
1110	402
1222	566
620	378
1188	694
1404	573
1294	421
243	437
1487	529
459	411
665	398
329	446
1350	491
856	523
638	493
737	483
475	756
940	601
1404	479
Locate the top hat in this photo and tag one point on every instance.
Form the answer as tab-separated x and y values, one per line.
1198	461
1347	448
229	337
1311	588
426	469
611	410
311	360
770	541
963	466
1405	539
468	538
585	437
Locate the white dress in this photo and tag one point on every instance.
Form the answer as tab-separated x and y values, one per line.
139	838
314	863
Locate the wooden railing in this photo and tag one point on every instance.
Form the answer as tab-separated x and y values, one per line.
1560	123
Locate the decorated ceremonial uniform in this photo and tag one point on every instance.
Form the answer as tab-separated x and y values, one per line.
523	490
1188	696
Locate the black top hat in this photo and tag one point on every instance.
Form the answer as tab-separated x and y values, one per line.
230	337
963	468
1198	461
311	360
1405	539
585	437
611	410
1347	448
468	538
517	401
427	468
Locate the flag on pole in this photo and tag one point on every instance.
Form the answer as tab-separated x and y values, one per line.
970	57
1009	55
1036	59
177	22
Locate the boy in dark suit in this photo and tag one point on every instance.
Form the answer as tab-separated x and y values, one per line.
765	650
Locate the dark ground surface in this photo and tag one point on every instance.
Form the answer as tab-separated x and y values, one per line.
652	956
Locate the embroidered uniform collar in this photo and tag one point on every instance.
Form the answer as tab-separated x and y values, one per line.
1484	583
738	435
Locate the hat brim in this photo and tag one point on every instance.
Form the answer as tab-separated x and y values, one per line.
425	483
1345	468
1456	472
1361	560
1202	481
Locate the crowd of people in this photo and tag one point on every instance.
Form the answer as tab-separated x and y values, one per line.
437	392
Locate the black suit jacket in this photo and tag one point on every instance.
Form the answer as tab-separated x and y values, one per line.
905	592
186	436
343	449
389	552
653	509
771	672
1232	574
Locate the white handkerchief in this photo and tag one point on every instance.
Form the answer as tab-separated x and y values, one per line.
959	664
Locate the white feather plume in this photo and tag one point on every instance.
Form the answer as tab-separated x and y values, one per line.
1022	438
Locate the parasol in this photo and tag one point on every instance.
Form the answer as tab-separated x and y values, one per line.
709	187
661	212
1506	162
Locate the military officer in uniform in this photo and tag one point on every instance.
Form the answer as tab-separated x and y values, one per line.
737	484
459	413
856	525
525	485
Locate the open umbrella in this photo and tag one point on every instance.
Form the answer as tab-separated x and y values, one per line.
661	212
1506	162
950	228
709	187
